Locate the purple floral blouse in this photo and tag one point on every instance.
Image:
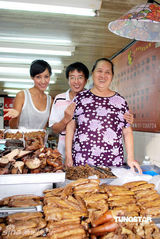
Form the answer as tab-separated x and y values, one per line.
99	123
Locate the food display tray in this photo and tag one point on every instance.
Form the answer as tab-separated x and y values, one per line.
150	169
2	144
14	131
23	131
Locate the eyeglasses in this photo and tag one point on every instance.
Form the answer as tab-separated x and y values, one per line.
73	78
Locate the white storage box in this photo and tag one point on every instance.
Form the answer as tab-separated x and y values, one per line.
28	183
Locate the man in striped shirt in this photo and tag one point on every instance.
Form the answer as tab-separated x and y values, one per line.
63	107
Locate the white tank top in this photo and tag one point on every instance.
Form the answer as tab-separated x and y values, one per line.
31	117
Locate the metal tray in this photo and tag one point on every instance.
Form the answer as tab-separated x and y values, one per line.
150	168
2	144
147	168
5	211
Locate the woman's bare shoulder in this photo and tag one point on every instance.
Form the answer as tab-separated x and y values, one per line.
20	93
20	96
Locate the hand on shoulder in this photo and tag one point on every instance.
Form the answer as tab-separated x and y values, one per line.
129	117
68	113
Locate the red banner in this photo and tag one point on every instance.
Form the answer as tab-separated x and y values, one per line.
8	104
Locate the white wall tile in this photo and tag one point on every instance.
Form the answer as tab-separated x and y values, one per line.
147	144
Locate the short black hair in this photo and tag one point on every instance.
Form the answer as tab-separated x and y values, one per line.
39	66
80	67
103	59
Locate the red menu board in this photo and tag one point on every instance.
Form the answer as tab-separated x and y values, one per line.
8	104
137	78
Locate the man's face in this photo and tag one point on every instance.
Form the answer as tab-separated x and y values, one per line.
77	81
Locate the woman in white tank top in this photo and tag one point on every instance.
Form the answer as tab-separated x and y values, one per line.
31	107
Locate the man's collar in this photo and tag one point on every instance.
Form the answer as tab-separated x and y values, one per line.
67	95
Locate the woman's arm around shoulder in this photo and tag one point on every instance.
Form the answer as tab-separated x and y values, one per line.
129	117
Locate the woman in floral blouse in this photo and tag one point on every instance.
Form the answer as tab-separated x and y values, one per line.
95	134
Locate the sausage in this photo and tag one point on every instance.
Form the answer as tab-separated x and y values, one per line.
102	229
107	216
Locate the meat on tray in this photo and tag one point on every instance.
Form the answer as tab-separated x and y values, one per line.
77	172
26	200
24	225
100	203
10	135
85	209
26	161
34	140
14	143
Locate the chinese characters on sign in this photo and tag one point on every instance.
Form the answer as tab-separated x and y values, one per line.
137	78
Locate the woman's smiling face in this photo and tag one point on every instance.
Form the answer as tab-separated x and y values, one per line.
102	75
41	80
